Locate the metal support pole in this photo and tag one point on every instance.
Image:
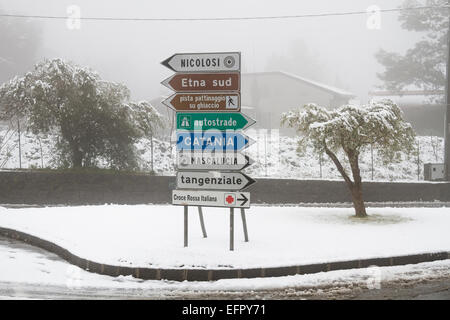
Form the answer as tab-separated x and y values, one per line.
418	159
185	226
320	165
265	152
279	149
447	110
231	229
151	146
202	223
20	145
244	224
371	158
42	157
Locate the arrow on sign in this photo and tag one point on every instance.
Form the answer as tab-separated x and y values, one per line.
244	199
195	82
204	102
212	141
187	160
214	180
213	121
218	61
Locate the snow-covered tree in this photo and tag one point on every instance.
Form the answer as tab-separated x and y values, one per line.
146	118
351	129
90	115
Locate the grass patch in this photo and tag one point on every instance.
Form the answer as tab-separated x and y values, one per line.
379	219
371	219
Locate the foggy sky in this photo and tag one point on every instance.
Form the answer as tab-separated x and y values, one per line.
131	52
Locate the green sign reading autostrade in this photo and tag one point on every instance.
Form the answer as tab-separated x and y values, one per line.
213	121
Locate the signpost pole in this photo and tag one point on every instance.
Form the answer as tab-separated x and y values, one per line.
244	224
447	111
231	229
185	226
202	223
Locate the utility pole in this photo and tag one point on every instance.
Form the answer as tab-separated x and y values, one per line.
447	107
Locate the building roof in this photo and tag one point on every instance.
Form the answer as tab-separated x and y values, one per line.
406	93
409	97
321	86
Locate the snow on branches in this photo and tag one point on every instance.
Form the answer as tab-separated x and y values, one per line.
93	118
145	117
351	128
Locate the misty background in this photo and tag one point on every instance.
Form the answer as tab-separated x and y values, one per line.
338	51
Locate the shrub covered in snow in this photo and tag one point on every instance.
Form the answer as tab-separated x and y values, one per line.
351	129
93	120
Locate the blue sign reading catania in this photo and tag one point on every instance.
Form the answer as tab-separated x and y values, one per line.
208	140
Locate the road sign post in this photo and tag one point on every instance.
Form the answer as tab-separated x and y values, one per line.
231	229
186	226
202	223
244	224
207	102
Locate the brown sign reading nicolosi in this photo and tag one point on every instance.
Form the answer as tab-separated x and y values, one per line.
195	82
204	102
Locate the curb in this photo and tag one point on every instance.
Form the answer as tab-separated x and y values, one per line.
216	274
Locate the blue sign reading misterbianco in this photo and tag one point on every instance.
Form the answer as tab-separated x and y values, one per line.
212	140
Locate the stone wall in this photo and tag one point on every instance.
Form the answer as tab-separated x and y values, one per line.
55	188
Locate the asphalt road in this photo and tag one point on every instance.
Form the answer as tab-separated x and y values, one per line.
421	289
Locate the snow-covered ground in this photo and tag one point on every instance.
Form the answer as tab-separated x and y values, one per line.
275	156
27	272
152	236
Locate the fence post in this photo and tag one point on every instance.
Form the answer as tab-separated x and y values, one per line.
20	147
418	159
42	157
371	158
151	147
265	152
320	164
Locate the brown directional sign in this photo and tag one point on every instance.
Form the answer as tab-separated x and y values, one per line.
197	82
204	102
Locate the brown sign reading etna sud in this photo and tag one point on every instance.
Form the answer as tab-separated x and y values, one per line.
197	82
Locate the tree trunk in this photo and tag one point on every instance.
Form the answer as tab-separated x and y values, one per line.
355	186
358	202
77	158
356	189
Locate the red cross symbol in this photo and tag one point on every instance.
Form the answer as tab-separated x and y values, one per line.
229	199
